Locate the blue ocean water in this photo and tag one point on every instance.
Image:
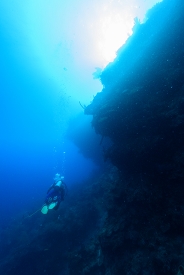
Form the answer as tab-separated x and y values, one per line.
32	147
35	112
129	210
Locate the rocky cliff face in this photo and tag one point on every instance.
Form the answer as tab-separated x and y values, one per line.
141	109
141	105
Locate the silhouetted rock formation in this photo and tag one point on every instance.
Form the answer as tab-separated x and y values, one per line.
141	105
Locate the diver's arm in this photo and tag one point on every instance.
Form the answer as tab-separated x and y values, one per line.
52	186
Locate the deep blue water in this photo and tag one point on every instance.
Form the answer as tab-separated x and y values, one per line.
34	111
31	147
42	129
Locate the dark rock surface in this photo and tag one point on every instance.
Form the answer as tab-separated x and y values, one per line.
141	105
141	109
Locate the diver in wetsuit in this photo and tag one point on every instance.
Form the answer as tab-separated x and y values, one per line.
55	194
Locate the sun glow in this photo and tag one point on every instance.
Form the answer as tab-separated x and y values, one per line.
114	31
72	37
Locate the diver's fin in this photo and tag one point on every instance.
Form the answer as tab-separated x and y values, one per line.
52	205
44	209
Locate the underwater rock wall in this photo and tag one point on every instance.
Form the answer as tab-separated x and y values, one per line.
141	109
141	105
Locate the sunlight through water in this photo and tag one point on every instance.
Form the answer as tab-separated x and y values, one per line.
80	35
67	40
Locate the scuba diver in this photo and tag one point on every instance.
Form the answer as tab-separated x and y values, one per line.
55	194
